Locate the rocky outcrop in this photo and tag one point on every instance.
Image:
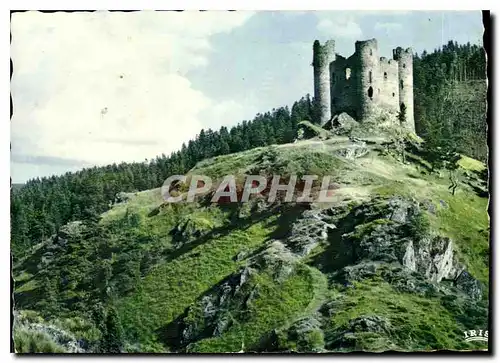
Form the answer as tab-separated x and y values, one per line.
59	336
342	124
467	283
401	236
211	315
387	239
187	230
308	231
277	259
374	324
347	337
308	130
217	310
72	229
122	197
433	257
353	151
304	335
396	234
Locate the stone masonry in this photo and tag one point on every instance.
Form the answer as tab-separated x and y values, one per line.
364	84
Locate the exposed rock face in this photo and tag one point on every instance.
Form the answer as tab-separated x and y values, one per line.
307	335
62	337
71	229
401	210
431	207
311	229
354	151
433	257
188	230
383	239
394	236
347	338
277	258
360	271
374	324
308	130
342	124
210	316
122	197
405	280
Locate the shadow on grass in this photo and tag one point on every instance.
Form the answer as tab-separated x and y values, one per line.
171	335
287	214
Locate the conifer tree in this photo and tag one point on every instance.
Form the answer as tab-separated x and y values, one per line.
113	335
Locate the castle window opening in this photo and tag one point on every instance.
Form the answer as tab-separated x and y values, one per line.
347	73
385	75
370	92
370	76
371	52
404	65
393	94
401	84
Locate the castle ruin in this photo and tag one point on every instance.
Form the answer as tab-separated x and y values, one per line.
364	84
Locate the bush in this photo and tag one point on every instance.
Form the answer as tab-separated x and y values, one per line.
312	341
112	340
419	225
26	341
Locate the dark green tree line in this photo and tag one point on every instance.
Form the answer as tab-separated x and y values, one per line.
450	98
43	205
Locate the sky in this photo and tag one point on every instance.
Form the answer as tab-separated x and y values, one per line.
93	88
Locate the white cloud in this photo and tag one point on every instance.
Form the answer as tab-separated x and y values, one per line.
346	24
339	26
225	113
385	12
388	27
108	87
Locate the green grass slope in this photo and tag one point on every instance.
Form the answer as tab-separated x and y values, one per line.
159	264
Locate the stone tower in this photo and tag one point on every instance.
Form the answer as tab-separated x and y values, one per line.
368	77
405	66
323	56
366	86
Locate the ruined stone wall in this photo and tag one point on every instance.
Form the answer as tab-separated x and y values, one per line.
323	55
405	67
344	85
363	85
